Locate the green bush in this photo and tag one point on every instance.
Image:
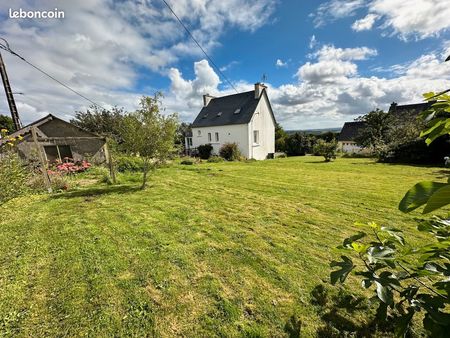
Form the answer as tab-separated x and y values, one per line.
204	151
325	149
129	163
187	161
13	176
230	152
215	159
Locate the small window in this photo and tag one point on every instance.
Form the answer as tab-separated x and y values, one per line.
205	116
199	133
55	153
209	137
256	136
219	114
217	137
190	141
237	111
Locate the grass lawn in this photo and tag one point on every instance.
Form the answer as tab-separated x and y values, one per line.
226	249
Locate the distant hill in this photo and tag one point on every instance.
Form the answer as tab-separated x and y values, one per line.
314	131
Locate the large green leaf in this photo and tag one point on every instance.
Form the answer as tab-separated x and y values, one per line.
419	195
439	199
345	267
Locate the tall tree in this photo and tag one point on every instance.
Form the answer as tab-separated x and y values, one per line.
280	138
149	134
376	133
101	121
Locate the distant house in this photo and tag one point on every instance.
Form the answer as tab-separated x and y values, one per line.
408	111
245	118
58	139
346	140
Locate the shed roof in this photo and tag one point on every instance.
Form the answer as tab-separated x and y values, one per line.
230	109
40	122
351	130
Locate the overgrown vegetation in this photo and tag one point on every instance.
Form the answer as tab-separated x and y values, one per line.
230	152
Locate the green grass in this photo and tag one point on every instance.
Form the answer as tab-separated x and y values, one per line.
226	249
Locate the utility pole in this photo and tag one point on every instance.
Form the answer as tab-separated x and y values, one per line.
9	96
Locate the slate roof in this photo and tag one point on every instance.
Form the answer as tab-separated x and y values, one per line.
409	110
27	129
351	130
222	110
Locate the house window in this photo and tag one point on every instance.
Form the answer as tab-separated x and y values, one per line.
199	133
189	141
209	137
256	136
55	153
217	137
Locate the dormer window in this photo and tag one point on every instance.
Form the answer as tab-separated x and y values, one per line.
205	116
219	114
237	111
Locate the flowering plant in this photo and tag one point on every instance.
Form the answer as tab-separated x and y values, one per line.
69	167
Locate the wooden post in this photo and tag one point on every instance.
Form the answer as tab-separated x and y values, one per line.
41	160
110	163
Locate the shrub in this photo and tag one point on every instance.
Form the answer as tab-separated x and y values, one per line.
279	155
215	159
129	163
13	176
326	149
187	161
204	151
230	151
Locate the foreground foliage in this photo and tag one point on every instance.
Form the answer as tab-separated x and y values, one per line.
408	279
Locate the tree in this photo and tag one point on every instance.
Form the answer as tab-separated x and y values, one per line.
297	144
149	134
280	138
101	121
6	122
326	149
182	131
407	279
376	133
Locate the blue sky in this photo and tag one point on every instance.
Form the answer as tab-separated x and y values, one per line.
326	62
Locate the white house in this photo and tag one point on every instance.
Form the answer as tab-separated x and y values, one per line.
347	136
245	118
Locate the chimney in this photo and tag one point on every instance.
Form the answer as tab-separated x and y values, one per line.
258	89
206	99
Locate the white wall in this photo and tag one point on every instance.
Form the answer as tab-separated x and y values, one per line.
349	147
263	122
237	133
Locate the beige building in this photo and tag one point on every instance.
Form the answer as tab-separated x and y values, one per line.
245	118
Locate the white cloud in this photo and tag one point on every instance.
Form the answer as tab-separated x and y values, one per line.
102	47
335	9
329	52
326	71
280	63
421	19
365	23
330	91
406	19
312	42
